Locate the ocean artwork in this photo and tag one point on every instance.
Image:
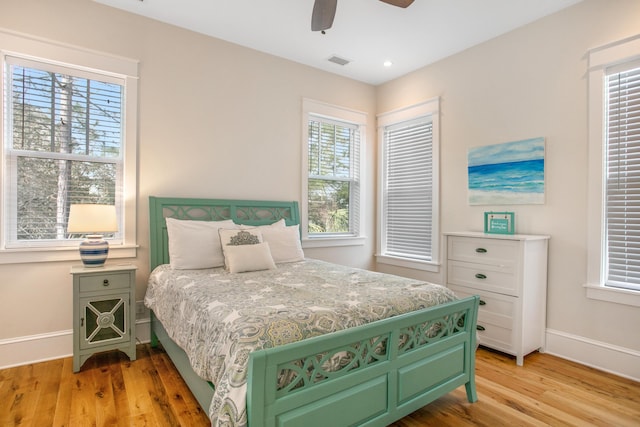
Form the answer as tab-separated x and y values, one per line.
506	174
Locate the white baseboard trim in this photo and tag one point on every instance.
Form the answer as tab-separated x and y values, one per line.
599	355
596	354
54	345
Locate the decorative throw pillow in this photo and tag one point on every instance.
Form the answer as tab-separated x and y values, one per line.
195	244
284	243
243	258
238	237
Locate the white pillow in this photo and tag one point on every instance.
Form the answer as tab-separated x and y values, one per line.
279	224
242	258
195	244
284	243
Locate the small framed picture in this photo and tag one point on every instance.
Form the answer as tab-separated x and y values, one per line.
499	222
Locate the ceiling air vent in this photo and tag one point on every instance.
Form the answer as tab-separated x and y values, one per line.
338	60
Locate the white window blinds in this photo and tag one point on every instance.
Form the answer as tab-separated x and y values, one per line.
622	197
408	192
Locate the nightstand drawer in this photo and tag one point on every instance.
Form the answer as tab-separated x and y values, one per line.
102	282
501	279
498	252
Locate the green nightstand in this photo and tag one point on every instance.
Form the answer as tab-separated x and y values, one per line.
104	313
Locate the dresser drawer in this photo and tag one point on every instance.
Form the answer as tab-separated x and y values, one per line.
498	252
501	279
495	318
102	282
494	308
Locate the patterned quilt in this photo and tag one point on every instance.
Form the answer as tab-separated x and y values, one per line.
218	317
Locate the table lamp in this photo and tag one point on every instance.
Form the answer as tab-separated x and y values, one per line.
91	220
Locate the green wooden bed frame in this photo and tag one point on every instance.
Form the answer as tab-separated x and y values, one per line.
397	365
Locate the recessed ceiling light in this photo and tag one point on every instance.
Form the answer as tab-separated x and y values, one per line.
387	63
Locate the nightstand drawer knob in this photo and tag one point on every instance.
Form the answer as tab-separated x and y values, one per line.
105	282
480	327
481	250
480	276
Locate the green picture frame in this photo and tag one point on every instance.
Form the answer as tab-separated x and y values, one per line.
499	223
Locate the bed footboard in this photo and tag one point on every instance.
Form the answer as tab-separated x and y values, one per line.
393	367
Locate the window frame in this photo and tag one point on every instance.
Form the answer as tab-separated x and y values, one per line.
426	108
601	59
123	69
312	108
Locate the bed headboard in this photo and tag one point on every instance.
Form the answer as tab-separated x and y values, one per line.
248	212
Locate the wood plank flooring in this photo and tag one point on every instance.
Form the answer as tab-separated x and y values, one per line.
112	391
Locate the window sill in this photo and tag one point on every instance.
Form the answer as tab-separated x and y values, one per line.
618	296
29	255
407	263
327	242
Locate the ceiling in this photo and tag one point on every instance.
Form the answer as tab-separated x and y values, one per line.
365	32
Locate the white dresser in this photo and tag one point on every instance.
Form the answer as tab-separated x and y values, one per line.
509	273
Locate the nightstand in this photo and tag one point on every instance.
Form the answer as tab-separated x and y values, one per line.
104	313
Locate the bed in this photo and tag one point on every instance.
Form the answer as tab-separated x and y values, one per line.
368	373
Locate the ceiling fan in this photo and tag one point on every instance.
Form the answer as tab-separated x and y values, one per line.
325	10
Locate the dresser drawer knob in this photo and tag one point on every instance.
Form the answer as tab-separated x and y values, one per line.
480	327
105	282
480	276
481	250
482	302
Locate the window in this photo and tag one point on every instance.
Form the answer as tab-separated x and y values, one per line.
408	191
64	142
622	175
332	183
614	172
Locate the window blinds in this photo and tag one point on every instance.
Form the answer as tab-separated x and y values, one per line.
408	193
623	177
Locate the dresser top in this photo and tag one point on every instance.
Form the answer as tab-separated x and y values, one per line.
105	268
497	236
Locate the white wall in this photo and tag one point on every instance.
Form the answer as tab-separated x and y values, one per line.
528	83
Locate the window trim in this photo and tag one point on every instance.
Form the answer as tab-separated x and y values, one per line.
31	48
430	107
321	109
600	59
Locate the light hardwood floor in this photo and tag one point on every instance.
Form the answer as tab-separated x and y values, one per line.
111	391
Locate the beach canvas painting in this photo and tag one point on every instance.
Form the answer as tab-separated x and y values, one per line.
506	174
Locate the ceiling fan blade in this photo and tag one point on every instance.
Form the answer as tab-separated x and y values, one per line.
323	13
399	3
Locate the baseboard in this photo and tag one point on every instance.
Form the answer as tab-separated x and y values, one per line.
596	354
605	357
55	345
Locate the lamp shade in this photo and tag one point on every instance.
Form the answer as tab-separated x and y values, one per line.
86	218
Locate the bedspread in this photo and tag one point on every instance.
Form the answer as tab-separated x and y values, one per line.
218	317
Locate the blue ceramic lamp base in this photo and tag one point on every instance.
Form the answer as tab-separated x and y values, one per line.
94	251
